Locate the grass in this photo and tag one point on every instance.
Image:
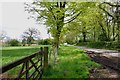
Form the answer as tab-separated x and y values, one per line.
10	54
71	63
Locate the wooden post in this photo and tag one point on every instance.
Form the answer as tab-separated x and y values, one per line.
41	54
27	71
45	57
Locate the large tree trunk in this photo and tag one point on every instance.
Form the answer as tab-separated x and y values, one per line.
113	31
108	29
94	34
84	35
118	32
59	26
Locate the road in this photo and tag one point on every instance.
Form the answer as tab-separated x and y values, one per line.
110	59
104	52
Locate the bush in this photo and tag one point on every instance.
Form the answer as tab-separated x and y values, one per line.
101	44
45	42
13	42
103	37
96	44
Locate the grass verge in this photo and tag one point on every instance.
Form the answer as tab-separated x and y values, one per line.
71	63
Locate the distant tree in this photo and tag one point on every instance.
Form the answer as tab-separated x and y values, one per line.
24	42
13	42
3	36
30	35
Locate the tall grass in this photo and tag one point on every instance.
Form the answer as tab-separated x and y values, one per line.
71	63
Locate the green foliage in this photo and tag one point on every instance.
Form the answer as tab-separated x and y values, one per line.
55	16
71	63
103	37
101	44
45	42
96	44
13	42
24	42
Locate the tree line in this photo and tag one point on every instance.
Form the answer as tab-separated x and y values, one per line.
29	37
75	22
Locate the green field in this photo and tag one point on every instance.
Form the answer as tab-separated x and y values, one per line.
71	62
10	54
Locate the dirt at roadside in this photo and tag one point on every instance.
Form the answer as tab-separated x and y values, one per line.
5	75
104	73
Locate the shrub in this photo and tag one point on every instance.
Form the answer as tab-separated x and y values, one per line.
45	42
96	44
101	44
13	42
103	37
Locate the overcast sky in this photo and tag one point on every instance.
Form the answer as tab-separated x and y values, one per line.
14	20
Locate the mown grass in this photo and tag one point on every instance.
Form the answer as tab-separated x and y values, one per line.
13	53
10	54
71	63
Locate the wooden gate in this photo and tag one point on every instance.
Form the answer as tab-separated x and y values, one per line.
32	66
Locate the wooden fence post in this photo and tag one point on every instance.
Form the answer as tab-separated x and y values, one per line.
41	54
45	57
27	71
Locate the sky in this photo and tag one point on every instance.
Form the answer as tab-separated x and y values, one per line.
14	20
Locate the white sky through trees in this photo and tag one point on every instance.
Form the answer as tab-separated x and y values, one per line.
13	20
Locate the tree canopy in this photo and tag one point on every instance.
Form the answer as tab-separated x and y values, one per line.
77	21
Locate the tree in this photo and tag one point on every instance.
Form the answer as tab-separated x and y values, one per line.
13	42
3	36
30	35
55	15
113	16
84	24
24	41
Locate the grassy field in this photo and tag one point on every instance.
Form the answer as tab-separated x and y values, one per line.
10	54
71	62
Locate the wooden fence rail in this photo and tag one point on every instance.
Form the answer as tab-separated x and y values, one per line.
32	66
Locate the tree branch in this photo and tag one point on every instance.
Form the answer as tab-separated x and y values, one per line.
106	11
73	18
112	4
39	14
50	9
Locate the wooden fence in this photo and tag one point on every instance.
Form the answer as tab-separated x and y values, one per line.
32	66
